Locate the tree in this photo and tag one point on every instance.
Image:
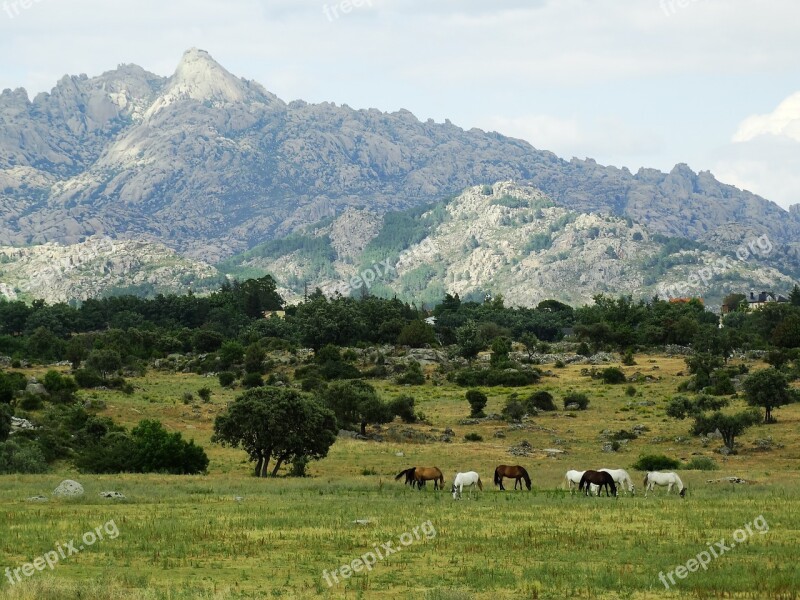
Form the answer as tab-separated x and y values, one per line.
501	347
276	423
254	359
540	400
5	422
768	389
355	402
477	402
403	407
469	340
104	362
730	426
417	334
787	334
794	297
733	301
530	342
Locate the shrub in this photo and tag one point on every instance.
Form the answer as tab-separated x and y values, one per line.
582	400
413	375
299	466
226	379
701	463
252	380
21	457
627	359
473	437
513	410
30	402
630	391
312	384
559	364
656	462
583	349
88	378
477	402
403	407
188	397
205	394
540	401
495	377
613	376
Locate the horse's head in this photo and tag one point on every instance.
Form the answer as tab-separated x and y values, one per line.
683	492
632	490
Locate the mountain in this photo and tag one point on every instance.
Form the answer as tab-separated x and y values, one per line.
509	239
213	166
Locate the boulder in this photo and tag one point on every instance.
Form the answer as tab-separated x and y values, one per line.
69	489
112	495
37	499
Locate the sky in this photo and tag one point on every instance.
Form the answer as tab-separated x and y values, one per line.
635	83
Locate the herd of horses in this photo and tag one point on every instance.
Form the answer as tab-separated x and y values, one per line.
590	481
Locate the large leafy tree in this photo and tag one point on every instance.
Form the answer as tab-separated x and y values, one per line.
276	423
730	426
768	389
356	403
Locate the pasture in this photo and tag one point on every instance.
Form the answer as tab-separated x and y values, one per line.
189	537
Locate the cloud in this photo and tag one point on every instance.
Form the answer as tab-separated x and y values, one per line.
599	138
764	156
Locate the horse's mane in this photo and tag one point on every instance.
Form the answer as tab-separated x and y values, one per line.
680	483
525	476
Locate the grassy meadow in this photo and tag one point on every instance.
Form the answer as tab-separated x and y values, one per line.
190	537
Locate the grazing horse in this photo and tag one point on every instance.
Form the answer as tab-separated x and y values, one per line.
655	478
599	478
423	474
575	477
409	473
622	478
469	479
516	473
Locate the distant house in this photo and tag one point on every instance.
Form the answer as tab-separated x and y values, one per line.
268	314
756	301
431	321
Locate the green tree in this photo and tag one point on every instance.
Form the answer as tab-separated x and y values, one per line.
477	402
254	359
5	422
501	347
355	402
416	334
104	362
469	340
276	423
794	297
768	389
730	426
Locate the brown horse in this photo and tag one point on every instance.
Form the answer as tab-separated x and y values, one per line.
409	473
419	475
516	473
599	478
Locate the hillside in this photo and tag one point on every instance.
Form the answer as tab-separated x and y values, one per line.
508	239
211	165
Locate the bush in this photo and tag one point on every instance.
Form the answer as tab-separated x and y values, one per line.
30	402
630	391
312	384
540	401
628	359
495	377
299	466
413	375
582	400
473	437
584	350
205	394
226	379
21	457
701	463
403	407
477	402
252	380
613	376
656	462
88	378
513	410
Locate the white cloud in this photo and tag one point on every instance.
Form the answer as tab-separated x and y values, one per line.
764	156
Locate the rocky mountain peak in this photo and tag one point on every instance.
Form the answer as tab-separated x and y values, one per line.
199	77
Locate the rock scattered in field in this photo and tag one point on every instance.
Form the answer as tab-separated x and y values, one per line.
728	480
362	522
524	448
238	498
69	489
399	454
766	444
35	388
36	499
573	407
18	424
113	495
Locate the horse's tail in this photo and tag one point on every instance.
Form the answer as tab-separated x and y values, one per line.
480	485
644	483
405	472
583	481
497	477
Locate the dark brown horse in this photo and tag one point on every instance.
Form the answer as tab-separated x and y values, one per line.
600	479
516	473
409	473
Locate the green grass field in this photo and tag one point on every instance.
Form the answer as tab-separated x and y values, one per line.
187	537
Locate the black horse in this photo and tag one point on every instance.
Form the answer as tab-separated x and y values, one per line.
600	479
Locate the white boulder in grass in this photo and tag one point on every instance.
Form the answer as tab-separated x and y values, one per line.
69	489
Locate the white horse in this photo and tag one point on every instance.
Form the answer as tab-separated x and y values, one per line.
469	480
622	479
655	478
575	477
